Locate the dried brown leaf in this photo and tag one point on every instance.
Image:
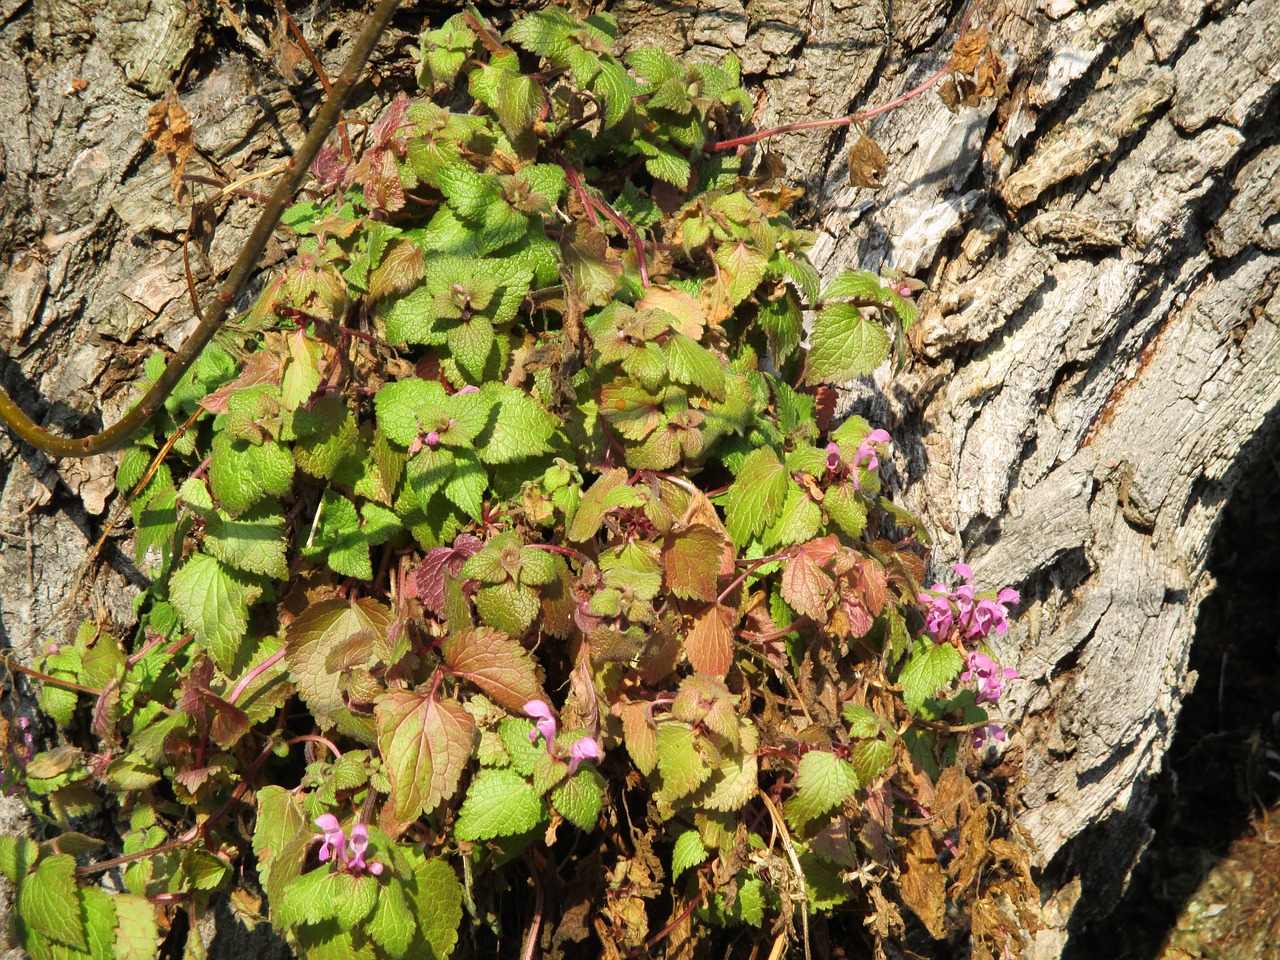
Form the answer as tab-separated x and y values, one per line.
968	50
169	129
867	163
923	883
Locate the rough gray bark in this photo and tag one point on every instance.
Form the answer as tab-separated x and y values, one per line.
1095	361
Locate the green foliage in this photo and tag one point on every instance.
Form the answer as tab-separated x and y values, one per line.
569	452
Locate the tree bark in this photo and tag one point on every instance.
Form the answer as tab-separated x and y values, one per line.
1094	363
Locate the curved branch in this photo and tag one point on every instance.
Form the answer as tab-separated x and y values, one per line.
116	435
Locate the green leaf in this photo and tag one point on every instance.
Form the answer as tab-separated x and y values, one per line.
354	898
508	606
857	285
665	163
823	781
845	345
425	744
681	765
524	753
520	430
326	432
241	474
392	926
409	407
254	543
757	495
156	522
863	723
870	759
213	602
499	803
687	853
437	896
618	90
468	485
99	910
846	509
546	33
495	663
690	362
280	840
137	933
318	631
48	904
580	798
930	668
17	854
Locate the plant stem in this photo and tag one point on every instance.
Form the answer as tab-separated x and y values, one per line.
116	435
256	672
751	568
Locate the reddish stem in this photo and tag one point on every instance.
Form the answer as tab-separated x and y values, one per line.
253	675
665	932
752	568
853	117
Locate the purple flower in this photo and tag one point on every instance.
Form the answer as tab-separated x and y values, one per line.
359	844
470	388
867	452
584	749
990	730
335	847
545	722
433	439
988	675
834	463
940	616
335	840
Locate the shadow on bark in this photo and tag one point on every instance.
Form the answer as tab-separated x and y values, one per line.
1223	767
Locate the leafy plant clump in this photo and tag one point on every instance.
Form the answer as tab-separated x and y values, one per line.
518	566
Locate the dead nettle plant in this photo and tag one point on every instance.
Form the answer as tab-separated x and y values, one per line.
502	556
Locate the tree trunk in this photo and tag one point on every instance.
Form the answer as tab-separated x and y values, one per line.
1094	363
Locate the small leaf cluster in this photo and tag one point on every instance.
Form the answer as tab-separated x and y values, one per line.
530	417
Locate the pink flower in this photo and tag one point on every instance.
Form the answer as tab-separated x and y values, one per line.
940	616
359	844
990	730
335	840
335	847
867	452
834	463
433	439
584	749
470	388
988	675
545	722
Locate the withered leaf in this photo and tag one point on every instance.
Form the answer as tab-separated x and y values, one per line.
924	885
169	128
968	50
867	163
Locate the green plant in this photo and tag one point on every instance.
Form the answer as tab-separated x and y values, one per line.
530	419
